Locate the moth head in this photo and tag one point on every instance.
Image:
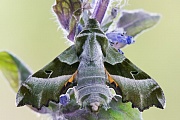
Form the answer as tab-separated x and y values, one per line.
91	30
92	24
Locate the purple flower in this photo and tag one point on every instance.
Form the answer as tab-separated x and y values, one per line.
64	99
73	16
119	40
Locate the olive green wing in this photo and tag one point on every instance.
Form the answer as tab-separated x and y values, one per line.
132	83
48	83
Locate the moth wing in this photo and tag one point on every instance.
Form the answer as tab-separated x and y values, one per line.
131	83
46	84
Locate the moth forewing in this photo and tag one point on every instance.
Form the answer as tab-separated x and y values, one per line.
93	64
133	84
46	84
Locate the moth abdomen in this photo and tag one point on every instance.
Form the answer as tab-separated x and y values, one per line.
92	91
94	95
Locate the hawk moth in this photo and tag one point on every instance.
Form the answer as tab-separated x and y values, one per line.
91	66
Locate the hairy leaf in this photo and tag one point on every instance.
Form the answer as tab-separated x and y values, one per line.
13	69
134	22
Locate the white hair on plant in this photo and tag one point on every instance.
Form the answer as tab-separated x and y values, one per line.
120	4
123	3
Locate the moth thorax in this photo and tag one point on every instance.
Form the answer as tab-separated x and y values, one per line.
93	96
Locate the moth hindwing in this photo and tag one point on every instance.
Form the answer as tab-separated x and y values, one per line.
93	64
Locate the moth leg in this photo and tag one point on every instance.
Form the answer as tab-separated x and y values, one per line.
65	98
113	94
115	99
111	89
70	91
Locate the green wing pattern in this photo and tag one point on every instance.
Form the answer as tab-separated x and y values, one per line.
46	84
134	85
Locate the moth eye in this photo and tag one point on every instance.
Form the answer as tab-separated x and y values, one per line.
64	99
134	72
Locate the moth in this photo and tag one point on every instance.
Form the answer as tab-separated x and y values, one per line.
91	67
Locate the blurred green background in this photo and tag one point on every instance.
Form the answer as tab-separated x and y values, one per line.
29	29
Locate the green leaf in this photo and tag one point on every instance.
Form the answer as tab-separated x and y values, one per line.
13	69
117	111
134	22
48	83
121	111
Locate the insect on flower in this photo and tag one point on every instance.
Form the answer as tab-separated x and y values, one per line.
91	66
92	79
